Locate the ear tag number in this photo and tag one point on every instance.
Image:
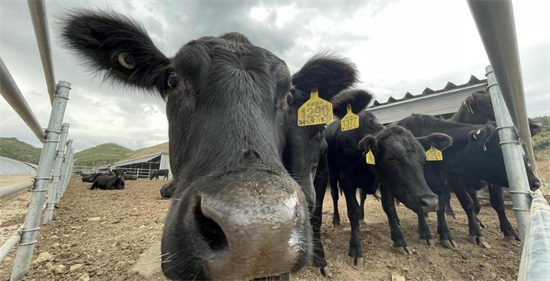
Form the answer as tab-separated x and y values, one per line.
315	111
350	121
434	154
369	158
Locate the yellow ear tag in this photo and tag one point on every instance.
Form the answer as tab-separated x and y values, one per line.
369	158
434	154
484	148
350	121
315	111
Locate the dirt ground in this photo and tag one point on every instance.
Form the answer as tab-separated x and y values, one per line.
109	235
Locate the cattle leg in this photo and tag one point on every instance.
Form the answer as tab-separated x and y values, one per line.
354	212
362	199
477	207
497	202
316	220
475	234
388	205
445	236
335	196
448	209
425	235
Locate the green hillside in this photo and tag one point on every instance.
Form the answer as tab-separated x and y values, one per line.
18	150
102	154
541	142
163	147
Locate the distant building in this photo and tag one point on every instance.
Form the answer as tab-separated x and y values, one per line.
12	167
142	166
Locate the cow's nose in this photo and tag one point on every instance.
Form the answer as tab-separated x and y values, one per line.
252	240
535	184
429	203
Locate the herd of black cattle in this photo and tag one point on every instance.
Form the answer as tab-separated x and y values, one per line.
114	179
249	180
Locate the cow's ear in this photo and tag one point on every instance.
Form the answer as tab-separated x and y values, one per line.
117	46
438	140
481	136
327	73
368	143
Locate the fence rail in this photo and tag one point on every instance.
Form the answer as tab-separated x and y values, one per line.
55	147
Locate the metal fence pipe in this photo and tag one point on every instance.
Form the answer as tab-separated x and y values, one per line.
14	189
11	93
37	9
9	244
70	172
64	171
496	26
23	258
535	257
513	156
56	173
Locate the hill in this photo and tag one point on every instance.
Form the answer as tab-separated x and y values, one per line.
541	142
102	154
18	150
163	147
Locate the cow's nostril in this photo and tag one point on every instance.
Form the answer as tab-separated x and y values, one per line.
536	185
429	204
210	231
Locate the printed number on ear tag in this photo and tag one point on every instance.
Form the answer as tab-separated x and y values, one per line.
369	158
434	154
350	121
315	111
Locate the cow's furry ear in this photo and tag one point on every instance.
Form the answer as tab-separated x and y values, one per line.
438	140
367	143
358	99
482	135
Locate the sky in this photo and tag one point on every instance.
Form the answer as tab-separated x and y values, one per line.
398	47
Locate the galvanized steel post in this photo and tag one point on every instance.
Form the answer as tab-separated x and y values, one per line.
29	233
70	172
513	156
56	174
64	171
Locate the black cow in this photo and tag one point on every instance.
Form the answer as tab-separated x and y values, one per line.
167	190
475	155
478	109
115	180
89	177
398	171
155	174
130	177
238	214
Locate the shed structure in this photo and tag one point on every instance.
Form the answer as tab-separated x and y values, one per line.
444	102
142	166
12	167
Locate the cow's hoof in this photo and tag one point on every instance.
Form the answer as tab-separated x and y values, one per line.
323	272
429	242
449	244
403	250
356	263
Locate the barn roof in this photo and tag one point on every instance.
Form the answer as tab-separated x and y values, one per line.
10	166
142	159
434	102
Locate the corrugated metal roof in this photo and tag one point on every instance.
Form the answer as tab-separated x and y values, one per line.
427	91
141	159
10	166
434	102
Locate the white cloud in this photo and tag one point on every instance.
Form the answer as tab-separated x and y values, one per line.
399	46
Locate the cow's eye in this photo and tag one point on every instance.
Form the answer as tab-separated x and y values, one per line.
172	79
289	98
